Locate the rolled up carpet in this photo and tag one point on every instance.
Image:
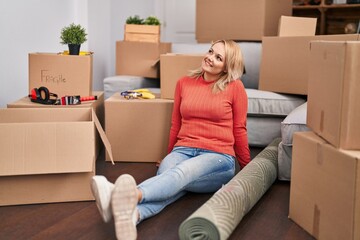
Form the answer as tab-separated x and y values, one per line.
219	216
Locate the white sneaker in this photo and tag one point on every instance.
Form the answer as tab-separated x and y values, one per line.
101	189
124	200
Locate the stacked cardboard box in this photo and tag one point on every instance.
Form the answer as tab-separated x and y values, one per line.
325	189
138	129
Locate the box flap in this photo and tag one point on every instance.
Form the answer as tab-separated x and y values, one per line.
103	136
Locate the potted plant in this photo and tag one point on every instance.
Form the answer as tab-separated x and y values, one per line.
135	20
73	35
142	30
152	20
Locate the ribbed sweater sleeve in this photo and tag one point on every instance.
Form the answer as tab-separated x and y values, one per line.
212	121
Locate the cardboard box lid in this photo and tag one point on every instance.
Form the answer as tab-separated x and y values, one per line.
43	140
296	26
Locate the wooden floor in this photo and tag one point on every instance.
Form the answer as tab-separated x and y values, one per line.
268	219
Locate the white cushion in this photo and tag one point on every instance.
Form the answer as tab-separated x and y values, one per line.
284	162
294	122
265	103
263	130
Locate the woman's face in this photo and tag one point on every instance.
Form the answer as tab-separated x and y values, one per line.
213	63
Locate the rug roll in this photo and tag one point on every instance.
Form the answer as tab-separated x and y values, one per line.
219	216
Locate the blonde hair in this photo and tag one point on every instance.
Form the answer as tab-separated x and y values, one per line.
234	66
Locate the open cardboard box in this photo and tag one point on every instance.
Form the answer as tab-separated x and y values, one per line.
47	155
97	105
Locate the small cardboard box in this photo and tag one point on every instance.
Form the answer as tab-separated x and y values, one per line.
47	155
139	58
138	129
173	67
61	74
284	64
142	33
246	20
325	189
334	87
297	26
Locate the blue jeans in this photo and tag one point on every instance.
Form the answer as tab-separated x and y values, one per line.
184	169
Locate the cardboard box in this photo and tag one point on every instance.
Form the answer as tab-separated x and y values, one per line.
139	58
334	87
246	20
142	33
297	26
284	64
61	74
325	189
97	106
173	67
138	129
47	155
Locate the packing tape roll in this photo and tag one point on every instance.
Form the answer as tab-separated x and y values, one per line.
219	216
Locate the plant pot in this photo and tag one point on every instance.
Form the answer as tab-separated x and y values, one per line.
74	49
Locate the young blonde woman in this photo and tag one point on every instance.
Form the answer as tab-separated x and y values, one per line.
208	134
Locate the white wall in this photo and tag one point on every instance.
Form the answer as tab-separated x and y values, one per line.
35	25
28	26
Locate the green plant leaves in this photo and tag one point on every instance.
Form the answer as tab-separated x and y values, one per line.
151	20
73	34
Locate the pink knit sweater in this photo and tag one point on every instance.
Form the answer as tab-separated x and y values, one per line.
212	121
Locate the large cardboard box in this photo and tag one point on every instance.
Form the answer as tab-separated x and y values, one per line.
173	67
61	74
138	129
325	188
333	99
139	58
246	20
47	155
284	64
